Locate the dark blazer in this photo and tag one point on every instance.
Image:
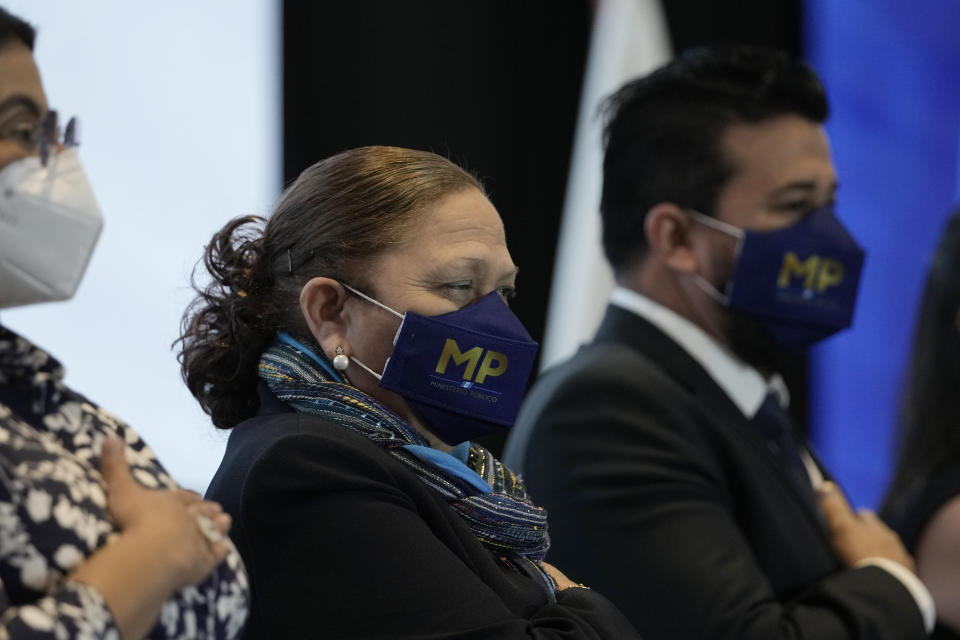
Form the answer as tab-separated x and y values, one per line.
342	541
663	496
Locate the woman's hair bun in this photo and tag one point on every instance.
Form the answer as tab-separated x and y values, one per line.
222	330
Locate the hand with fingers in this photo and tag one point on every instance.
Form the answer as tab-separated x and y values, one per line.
174	523
859	535
168	539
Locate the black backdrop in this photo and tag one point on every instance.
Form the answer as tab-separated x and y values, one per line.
492	84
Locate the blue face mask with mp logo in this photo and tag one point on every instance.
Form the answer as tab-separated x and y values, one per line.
800	282
463	373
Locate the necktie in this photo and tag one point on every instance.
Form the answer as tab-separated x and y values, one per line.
774	424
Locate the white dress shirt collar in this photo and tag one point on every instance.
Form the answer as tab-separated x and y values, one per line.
743	384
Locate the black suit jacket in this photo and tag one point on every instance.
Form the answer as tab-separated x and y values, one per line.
342	541
666	498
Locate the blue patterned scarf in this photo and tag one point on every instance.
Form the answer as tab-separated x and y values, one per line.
503	518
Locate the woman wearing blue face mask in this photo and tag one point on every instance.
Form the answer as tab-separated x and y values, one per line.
354	345
96	539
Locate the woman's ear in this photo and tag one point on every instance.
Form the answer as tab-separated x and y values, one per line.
668	232
321	302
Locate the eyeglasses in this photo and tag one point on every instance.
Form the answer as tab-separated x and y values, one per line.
49	136
42	136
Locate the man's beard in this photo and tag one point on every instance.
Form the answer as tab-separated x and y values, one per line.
745	336
750	342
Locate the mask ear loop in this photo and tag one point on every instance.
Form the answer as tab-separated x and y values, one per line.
716	225
368	369
371	300
711	290
376	375
722	227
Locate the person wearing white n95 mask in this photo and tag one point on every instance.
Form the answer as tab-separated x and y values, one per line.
49	225
105	539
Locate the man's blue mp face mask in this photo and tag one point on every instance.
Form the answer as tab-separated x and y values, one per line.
464	372
800	282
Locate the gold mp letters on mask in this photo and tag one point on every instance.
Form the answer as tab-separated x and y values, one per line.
819	273
492	365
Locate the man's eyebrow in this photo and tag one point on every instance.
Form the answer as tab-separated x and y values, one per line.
802	185
799	185
20	100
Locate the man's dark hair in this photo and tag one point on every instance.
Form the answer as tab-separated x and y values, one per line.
13	27
663	132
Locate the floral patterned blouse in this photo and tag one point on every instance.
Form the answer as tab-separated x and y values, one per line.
53	513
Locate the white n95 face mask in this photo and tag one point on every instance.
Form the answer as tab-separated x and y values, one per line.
49	225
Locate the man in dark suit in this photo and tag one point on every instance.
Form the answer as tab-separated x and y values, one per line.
662	450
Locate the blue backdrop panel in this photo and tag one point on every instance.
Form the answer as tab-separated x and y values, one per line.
892	70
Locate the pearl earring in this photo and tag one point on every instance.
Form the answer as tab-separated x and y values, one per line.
340	361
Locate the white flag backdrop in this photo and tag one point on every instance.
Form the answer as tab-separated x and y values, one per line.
629	39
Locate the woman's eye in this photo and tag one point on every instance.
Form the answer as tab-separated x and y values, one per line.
23	133
463	285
